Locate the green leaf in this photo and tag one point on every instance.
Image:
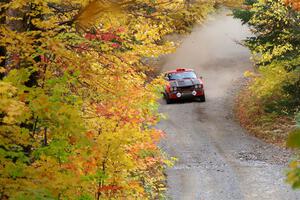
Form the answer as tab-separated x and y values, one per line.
294	139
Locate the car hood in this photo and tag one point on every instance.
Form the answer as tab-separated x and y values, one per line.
184	82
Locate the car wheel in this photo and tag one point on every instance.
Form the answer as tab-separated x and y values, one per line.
168	100
202	98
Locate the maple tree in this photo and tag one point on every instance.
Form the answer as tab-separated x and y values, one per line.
77	110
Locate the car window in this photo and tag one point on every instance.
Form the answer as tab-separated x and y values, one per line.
181	75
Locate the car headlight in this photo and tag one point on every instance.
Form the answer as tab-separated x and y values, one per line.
173	88
198	86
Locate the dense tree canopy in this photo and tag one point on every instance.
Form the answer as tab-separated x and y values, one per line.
77	109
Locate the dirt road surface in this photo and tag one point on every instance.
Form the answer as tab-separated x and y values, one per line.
218	160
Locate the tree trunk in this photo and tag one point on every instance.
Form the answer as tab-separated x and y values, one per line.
15	21
2	48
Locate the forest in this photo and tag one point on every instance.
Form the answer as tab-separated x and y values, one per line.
77	107
269	106
79	102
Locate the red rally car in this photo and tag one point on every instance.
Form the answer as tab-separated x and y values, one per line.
183	83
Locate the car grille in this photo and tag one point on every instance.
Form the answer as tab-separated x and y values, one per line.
186	88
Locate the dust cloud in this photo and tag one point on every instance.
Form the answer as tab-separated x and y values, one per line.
213	51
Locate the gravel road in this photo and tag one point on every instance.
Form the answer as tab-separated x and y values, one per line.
218	160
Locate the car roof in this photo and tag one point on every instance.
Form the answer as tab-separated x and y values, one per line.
179	70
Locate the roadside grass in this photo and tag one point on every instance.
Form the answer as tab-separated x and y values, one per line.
251	114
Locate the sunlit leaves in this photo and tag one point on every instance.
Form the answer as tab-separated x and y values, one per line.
294	3
293	176
275	50
94	10
77	110
12	109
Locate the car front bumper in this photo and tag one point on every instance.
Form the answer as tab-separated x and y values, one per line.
185	94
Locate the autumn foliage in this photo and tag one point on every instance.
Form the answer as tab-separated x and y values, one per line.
270	105
294	3
77	111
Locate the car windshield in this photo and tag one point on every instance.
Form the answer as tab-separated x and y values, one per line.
181	75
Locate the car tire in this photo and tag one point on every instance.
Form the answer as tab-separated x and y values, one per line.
168	100
202	98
